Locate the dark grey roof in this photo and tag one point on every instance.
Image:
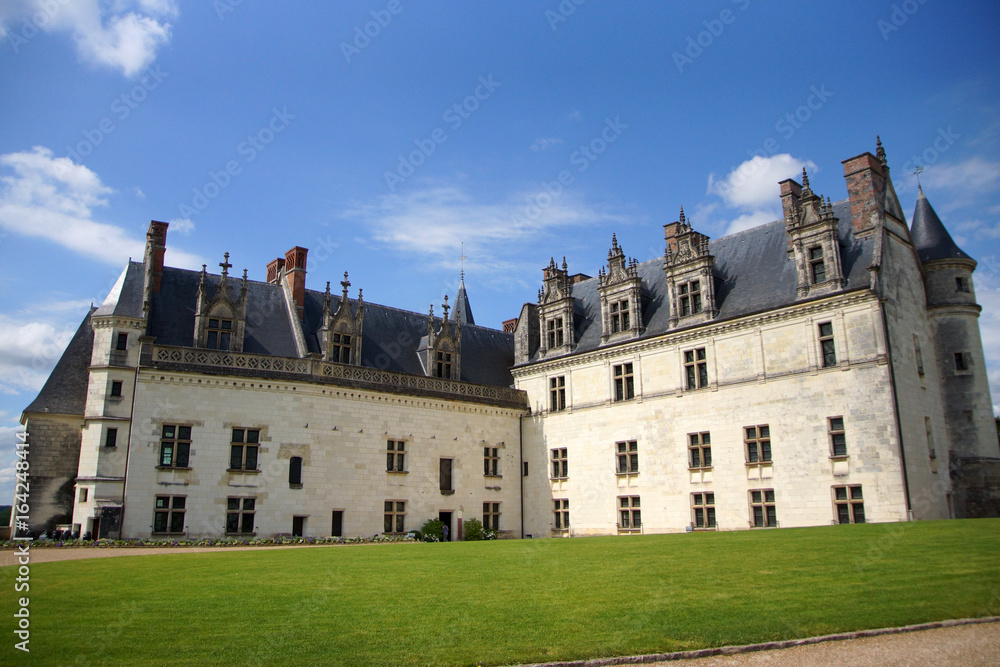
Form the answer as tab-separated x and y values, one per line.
125	299
929	235
65	392
753	273
463	311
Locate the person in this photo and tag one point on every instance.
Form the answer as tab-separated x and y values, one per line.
445	531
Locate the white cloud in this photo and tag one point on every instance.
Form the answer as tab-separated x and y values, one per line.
543	143
53	198
28	352
181	226
137	191
752	219
121	34
754	183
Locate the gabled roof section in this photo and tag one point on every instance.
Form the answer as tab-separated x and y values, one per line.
65	392
125	298
930	237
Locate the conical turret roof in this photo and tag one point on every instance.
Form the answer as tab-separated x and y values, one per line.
463	311
930	237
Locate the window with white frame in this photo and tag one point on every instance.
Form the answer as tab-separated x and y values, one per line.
849	503
703	510
627	453
696	368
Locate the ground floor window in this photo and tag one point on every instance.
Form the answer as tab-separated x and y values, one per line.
849	503
762	510
562	513
491	516
703	505
168	516
395	516
240	514
629	516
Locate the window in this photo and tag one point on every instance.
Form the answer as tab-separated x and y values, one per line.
445	482
762	508
700	448
395	516
838	440
758	442
491	462
122	342
560	464
443	368
918	354
619	317
849	503
930	438
341	352
243	451
295	471
629	517
557	393
84	492
168	515
239	514
696	368
624	382
525	470
826	344
219	334
554	330
703	505
111	438
961	284
116	388
963	360
175	446
816	265
628	457
561	514
690	295
395	456
491	516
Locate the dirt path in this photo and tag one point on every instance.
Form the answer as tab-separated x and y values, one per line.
53	554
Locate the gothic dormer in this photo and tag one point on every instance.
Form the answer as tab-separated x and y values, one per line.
621	291
442	349
812	239
340	335
555	310
220	320
689	267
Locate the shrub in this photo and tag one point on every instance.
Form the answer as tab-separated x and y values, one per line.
433	530
473	530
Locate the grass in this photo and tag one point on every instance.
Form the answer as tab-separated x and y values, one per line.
506	602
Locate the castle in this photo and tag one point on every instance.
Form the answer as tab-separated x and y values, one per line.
823	368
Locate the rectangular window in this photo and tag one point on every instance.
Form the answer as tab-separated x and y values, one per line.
122	342
838	439
561	514
295	471
758	443
620	316
557	393
175	446
168	517
703	505
395	456
444	365
918	354
555	332
696	368
395	517
624	382
690	297
849	503
629	516
628	457
111	438
961	284
560	464
762	508
240	514
84	492
219	334
341	352
243	450
445	483
930	438
963	360
826	344
491	462
491	516
116	388
817	265
700	449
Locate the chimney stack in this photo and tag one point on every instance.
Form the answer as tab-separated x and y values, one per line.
295	274
791	192
156	247
865	178
274	268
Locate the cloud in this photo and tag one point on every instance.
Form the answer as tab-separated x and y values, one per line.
182	226
137	191
28	352
971	177
123	34
54	199
575	115
754	184
543	144
988	295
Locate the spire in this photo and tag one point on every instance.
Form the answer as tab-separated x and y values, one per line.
463	311
930	238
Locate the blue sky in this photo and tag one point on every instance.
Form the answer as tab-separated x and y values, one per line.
384	135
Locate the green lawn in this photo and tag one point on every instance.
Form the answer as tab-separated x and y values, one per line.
505	602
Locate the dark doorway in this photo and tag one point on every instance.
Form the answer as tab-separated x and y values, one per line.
96	530
111	522
445	518
338	524
298	525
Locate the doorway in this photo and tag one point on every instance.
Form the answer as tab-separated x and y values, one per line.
445	518
337	530
298	526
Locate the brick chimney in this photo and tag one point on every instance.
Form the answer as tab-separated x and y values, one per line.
156	246
670	233
509	326
791	191
866	190
295	274
274	268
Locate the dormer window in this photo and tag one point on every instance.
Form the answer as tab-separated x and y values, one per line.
341	352
340	335
619	316
817	266
690	297
219	334
220	321
621	296
555	332
443	369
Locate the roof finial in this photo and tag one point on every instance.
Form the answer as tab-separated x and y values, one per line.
683	220
805	178
879	151
916	172
445	307
226	265
565	267
345	283
461	273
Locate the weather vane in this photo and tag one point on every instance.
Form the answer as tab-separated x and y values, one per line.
919	170
462	260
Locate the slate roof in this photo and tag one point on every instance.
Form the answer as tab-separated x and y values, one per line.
753	273
930	237
125	298
65	392
463	311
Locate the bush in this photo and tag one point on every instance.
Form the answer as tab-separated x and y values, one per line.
433	530
473	530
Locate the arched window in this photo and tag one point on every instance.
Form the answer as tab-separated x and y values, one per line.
295	471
